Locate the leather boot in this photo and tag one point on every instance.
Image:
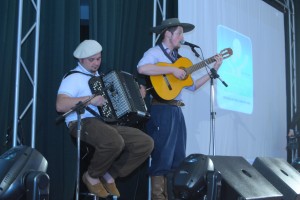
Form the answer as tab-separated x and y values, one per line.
158	188
166	187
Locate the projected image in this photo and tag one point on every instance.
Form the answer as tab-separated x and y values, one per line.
237	71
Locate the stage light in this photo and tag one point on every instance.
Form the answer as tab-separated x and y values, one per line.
23	174
196	178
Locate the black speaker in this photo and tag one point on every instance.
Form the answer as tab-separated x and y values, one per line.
240	180
281	174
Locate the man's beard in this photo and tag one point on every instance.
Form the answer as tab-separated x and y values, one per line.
94	70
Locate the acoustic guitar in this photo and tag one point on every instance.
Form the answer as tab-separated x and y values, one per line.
167	86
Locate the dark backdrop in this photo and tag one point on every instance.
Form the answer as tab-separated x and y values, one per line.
59	35
122	27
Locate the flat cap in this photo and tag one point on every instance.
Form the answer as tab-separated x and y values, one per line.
87	48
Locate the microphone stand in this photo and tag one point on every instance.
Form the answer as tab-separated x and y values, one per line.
79	109
213	75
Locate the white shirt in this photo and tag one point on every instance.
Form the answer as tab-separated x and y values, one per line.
76	85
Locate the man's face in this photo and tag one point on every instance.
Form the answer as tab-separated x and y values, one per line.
176	37
92	63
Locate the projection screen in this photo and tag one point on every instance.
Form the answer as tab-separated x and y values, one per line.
250	114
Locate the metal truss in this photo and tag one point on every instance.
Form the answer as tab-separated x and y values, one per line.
292	57
288	6
161	6
32	78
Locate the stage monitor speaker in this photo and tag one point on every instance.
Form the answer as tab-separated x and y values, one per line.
240	180
281	174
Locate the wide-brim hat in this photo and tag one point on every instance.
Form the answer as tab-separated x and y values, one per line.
87	48
171	23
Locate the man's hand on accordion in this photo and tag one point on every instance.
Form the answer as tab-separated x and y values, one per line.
98	101
143	90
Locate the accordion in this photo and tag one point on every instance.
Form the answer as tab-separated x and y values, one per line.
124	105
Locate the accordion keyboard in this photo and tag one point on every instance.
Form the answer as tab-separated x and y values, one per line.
97	86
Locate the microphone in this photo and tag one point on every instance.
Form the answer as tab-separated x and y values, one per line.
189	44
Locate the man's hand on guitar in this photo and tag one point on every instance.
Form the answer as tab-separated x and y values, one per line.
219	61
179	73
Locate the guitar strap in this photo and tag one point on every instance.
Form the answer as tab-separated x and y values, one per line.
175	53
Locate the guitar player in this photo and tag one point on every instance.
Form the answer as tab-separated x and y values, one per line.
167	125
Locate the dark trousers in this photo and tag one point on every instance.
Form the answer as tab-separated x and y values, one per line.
168	130
118	149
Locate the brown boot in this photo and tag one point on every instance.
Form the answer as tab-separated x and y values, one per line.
166	187
158	189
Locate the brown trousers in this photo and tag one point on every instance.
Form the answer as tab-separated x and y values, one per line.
118	149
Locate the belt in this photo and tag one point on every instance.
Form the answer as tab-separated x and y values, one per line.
170	102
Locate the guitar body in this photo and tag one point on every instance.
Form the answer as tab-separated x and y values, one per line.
167	86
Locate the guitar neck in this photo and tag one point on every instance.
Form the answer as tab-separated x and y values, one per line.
199	65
